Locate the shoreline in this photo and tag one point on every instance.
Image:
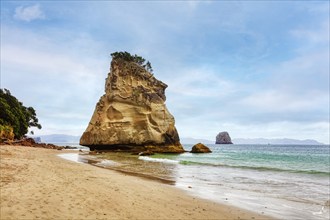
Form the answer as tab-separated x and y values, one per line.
225	185
84	158
36	183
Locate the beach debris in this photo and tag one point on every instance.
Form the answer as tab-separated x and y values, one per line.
132	116
223	138
200	148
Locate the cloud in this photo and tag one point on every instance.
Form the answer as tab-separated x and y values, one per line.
296	91
200	82
63	86
273	101
196	94
296	88
230	66
29	13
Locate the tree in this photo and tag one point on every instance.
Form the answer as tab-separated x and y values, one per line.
148	67
130	58
15	115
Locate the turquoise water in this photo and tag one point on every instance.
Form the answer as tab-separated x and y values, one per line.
283	181
285	158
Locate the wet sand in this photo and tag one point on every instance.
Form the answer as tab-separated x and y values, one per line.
37	184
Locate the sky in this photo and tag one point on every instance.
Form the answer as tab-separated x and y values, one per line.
257	69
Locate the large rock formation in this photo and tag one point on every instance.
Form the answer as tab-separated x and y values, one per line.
223	138
131	115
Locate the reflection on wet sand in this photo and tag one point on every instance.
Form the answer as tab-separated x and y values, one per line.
130	164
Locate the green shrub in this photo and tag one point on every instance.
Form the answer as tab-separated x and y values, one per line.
133	58
15	115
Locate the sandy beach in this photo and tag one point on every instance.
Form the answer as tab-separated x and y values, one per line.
37	184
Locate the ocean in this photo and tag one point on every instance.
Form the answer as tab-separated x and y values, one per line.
283	181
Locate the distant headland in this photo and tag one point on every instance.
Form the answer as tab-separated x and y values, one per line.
280	141
63	138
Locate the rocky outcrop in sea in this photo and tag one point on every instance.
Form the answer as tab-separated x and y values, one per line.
200	148
223	138
131	115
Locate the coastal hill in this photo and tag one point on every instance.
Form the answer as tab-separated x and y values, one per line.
132	115
282	141
58	138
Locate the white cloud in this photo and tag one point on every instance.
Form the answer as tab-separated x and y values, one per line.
220	61
297	88
62	84
313	38
200	82
193	5
29	13
272	101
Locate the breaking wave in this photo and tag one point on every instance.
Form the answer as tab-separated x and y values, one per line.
159	160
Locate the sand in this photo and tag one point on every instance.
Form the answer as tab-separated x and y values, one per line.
37	184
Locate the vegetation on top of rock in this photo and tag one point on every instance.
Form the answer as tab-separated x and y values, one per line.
133	58
15	117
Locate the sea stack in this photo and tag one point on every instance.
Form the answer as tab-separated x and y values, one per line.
132	115
223	138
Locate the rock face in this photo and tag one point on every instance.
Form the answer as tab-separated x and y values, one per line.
200	148
131	115
223	138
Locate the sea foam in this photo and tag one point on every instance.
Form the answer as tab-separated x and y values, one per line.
106	163
70	156
159	160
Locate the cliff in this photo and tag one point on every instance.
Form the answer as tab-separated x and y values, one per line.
132	115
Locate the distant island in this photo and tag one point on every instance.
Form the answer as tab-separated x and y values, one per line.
57	138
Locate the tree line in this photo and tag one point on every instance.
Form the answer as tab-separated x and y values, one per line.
15	118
